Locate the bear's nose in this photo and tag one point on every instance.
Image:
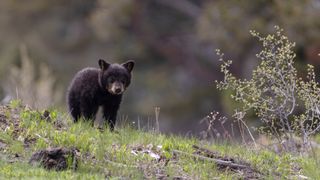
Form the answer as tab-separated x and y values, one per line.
117	90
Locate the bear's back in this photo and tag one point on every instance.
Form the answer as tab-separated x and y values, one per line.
85	80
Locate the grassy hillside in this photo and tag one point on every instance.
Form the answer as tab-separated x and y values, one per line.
132	154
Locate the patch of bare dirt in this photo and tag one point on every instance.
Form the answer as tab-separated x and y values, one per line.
155	168
10	117
28	141
3	118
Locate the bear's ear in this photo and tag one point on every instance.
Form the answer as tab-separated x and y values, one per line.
128	65
103	64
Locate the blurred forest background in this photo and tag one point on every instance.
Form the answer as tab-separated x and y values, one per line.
44	43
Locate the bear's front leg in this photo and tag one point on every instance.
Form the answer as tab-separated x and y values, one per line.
110	116
88	110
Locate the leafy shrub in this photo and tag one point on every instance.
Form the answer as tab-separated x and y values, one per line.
275	91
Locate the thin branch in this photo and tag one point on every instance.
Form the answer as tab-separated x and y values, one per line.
217	161
239	118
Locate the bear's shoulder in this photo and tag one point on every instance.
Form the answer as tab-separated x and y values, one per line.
87	74
88	70
85	78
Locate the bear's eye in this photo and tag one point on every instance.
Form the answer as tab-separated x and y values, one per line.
111	80
123	81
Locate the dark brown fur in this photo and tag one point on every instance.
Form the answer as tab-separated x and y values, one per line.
93	87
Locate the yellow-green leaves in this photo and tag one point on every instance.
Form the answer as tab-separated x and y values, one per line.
274	90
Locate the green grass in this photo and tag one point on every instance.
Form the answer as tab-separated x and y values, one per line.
111	154
24	171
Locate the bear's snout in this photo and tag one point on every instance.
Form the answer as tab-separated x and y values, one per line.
116	88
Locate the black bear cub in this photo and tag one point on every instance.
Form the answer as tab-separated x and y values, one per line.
93	87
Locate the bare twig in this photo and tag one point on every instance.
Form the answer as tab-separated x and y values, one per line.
239	116
217	161
207	151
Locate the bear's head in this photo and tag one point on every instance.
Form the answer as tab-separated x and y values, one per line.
115	78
